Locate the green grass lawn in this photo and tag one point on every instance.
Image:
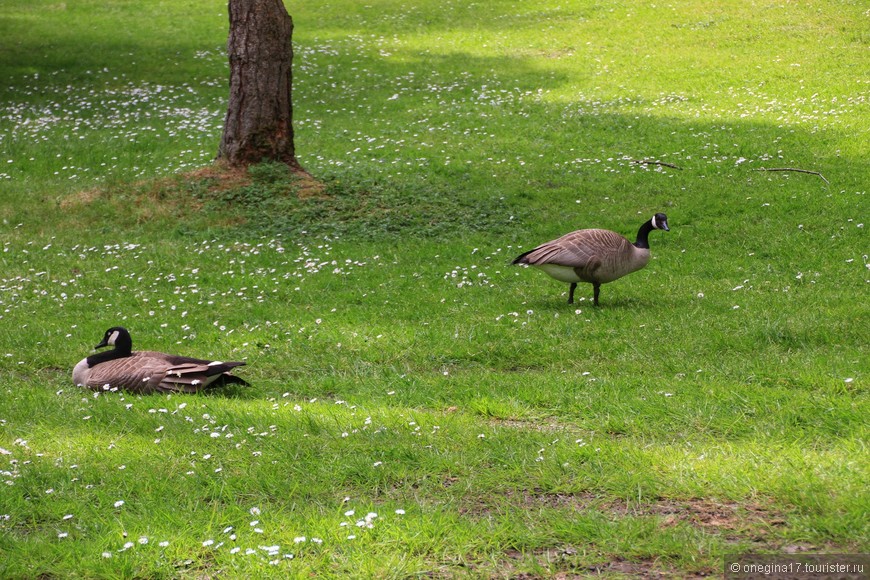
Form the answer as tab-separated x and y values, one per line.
419	407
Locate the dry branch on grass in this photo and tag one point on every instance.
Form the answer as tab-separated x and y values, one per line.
654	162
794	170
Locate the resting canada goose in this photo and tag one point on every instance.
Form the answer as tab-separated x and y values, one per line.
146	371
594	256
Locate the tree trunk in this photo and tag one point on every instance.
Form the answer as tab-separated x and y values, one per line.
259	122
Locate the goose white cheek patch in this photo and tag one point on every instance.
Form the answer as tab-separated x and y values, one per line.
654	224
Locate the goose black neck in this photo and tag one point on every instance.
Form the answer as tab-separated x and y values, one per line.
643	235
123	348
106	356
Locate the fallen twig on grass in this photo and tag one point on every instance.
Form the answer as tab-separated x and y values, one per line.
653	162
795	170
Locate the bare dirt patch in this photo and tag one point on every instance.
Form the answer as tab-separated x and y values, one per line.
222	177
160	198
750	521
566	564
745	525
700	512
639	569
83	197
172	195
307	186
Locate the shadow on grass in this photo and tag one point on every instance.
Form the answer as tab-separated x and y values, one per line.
70	40
583	150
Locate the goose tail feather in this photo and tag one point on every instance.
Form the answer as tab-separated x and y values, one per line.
230	380
216	368
522	258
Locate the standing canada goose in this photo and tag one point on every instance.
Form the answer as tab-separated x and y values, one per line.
594	256
147	372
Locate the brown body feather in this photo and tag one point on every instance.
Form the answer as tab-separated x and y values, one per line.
146	372
153	372
595	256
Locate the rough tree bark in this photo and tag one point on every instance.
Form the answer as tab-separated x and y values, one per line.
259	121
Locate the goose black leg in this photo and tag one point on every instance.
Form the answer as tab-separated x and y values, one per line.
571	292
597	288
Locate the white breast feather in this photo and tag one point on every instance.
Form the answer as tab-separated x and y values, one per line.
561	273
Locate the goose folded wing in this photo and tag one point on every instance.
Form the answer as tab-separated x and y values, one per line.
585	247
130	373
175	361
191	377
186	372
560	252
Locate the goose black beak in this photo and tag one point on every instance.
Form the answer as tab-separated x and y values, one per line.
101	345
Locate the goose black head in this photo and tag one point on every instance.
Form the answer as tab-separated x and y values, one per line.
660	222
118	337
